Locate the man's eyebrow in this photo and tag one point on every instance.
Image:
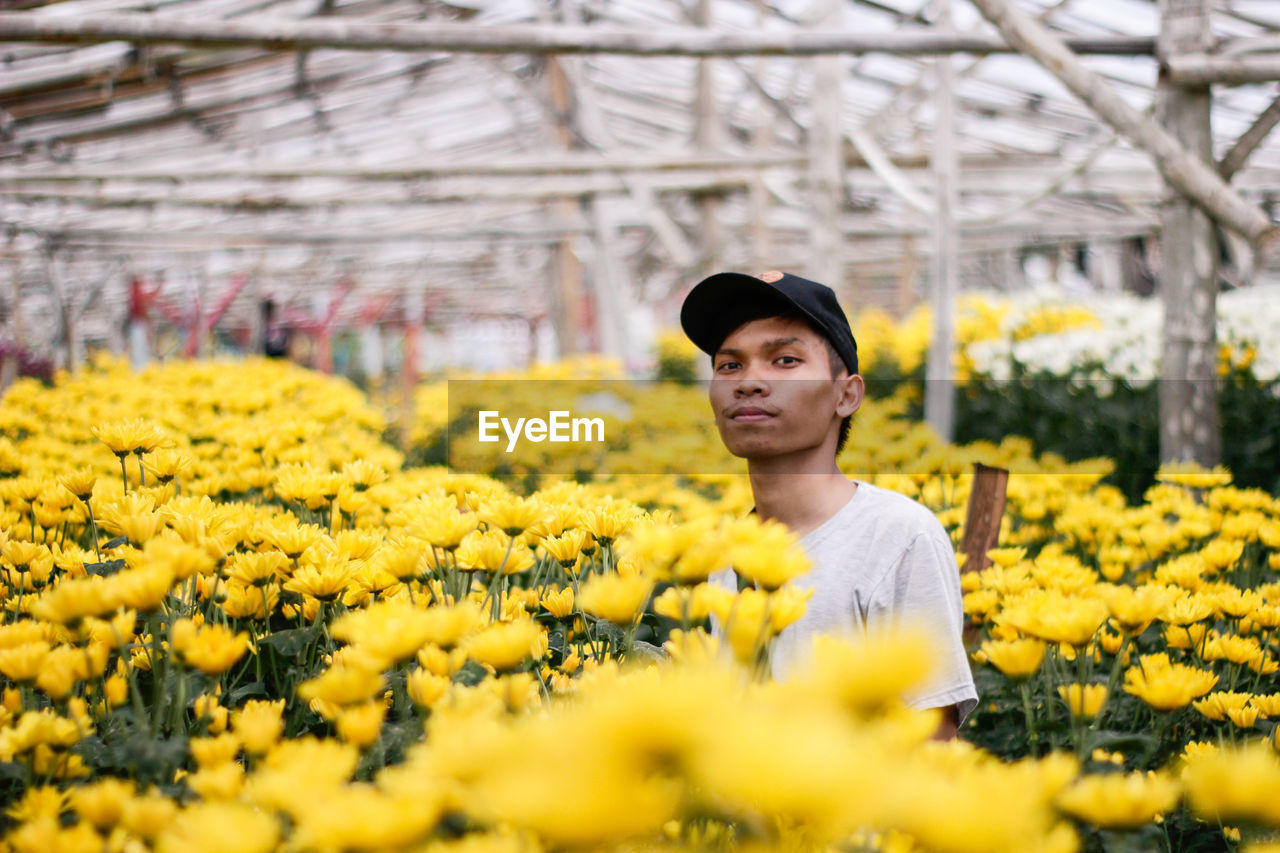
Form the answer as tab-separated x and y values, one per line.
773	344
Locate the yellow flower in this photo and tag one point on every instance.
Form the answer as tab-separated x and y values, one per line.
1084	700
167	465
257	568
325	580
492	551
449	624
212	751
787	605
219	782
608	521
206	708
1217	703
1120	800
117	689
343	685
1188	609
1017	659
1221	554
130	436
512	515
102	802
1237	784
258	724
363	817
39	801
766	553
1054	617
426	688
615	598
566	547
391	631
1006	557
146	815
220	827
871	674
212	649
80	482
504	645
247	602
22	663
1134	608
1167	686
359	725
61	669
559	603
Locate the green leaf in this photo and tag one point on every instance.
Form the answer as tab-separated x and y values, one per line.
235	697
290	642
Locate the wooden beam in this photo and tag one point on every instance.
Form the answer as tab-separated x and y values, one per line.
1248	142
1184	171
512	38
1201	69
584	164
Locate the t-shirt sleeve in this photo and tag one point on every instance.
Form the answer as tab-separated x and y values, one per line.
924	586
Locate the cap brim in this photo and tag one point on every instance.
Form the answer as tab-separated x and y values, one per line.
721	303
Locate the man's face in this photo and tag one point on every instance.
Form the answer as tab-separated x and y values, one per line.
772	394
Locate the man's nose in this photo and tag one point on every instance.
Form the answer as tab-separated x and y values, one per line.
750	383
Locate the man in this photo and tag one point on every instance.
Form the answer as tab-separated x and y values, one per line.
784	387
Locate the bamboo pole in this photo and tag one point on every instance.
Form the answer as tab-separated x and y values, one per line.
1185	172
511	38
1188	280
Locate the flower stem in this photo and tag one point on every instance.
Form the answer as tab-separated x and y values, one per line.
1032	731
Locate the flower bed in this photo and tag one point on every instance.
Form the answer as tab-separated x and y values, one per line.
233	621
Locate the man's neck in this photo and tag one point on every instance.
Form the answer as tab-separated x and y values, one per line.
803	502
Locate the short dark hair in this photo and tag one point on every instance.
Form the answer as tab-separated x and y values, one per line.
834	361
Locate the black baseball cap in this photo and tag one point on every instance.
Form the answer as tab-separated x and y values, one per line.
721	303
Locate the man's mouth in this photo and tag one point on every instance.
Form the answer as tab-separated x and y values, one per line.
750	414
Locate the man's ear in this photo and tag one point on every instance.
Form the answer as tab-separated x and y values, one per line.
852	391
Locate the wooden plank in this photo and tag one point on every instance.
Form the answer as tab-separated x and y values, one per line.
514	38
982	519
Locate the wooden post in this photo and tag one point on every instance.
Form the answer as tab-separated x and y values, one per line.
706	140
982	519
567	295
761	138
1188	280
826	159
906	276
609	286
939	399
9	364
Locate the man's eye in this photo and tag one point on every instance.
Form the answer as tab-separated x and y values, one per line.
792	357
725	364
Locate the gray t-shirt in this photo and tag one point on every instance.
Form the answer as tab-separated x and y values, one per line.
881	554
